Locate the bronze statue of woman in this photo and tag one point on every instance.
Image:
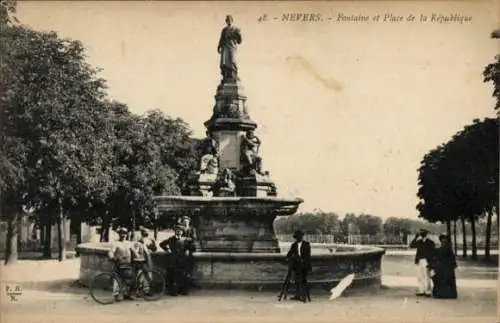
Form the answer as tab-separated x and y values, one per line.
229	39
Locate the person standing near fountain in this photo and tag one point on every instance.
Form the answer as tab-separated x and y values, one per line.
299	260
176	276
146	240
443	267
121	253
425	253
189	237
229	40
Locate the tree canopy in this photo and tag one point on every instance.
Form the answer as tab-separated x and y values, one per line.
70	152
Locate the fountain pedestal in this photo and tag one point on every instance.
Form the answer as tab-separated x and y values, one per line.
232	224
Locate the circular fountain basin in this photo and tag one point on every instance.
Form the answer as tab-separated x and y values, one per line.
330	264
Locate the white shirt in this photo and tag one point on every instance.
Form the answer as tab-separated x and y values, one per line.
121	251
299	245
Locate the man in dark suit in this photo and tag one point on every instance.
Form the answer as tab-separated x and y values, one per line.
177	251
299	260
425	252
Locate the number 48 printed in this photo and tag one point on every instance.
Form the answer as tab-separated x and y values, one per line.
262	18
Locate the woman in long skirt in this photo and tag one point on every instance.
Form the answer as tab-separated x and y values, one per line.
443	270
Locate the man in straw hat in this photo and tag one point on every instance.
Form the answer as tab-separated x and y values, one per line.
425	252
299	259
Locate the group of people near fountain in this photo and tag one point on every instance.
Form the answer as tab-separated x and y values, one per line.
436	266
131	256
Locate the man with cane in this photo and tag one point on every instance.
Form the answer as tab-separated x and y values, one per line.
299	262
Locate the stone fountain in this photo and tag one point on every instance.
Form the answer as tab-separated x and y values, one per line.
233	203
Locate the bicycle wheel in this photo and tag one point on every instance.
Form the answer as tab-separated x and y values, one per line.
105	287
150	285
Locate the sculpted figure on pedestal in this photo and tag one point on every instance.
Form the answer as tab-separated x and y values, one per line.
228	44
225	185
212	166
210	154
250	159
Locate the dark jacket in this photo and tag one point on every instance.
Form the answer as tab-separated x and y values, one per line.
302	261
425	249
174	245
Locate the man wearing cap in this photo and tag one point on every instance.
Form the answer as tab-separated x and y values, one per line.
299	259
425	252
146	240
175	246
121	253
189	235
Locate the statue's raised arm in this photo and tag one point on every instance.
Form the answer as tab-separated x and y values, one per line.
229	40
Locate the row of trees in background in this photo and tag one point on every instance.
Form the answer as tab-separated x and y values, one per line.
374	229
393	230
68	152
458	181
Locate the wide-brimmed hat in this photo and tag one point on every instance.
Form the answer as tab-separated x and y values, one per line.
298	234
142	229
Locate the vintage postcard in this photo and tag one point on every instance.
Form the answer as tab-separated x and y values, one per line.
273	161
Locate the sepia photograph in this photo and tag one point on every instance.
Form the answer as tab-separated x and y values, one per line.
249	161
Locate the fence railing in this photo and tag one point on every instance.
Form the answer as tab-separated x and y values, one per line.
382	239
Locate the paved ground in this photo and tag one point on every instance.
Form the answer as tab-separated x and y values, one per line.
50	292
396	303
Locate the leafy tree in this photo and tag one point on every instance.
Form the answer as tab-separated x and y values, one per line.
56	121
8	9
369	224
350	224
177	148
398	227
460	178
491	73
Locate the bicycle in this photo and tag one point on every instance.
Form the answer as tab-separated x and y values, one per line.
106	287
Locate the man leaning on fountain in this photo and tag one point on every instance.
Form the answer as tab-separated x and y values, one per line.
299	261
177	266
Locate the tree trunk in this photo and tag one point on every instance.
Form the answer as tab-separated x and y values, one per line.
19	224
60	232
155	232
76	228
464	238
448	228
474	245
132	226
455	236
47	243
488	235
11	255
105	229
42	235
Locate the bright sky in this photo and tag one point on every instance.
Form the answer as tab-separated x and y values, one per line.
346	111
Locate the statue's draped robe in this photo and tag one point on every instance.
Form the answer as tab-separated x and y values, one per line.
229	39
